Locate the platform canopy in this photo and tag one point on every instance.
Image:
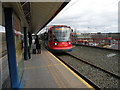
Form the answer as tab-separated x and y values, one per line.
36	15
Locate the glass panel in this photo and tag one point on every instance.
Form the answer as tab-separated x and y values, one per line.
61	33
19	48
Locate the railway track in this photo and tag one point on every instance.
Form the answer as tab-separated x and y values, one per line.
94	75
103	58
97	47
100	68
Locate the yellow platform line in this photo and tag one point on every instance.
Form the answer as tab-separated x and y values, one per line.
89	86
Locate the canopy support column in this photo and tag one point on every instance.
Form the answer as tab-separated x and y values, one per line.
25	45
9	28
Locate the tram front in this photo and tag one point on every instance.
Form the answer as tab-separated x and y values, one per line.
61	38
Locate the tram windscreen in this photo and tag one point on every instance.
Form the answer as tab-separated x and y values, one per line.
61	33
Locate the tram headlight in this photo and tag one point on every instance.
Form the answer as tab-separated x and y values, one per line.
69	42
55	44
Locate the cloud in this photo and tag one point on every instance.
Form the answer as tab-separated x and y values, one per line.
96	14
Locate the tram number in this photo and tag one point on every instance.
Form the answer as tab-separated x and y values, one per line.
57	28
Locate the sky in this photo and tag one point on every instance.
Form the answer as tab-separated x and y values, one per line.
89	16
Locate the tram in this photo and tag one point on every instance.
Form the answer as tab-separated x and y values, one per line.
59	38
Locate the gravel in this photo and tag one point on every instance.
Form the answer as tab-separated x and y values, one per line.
100	78
107	59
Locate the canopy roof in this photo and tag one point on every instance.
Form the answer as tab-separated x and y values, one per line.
36	15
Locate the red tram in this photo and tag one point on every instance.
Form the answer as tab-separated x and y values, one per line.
59	38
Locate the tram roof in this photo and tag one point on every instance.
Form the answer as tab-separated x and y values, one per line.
36	15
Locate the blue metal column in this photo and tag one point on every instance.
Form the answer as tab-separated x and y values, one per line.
11	47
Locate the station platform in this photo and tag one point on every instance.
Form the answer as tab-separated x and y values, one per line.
45	71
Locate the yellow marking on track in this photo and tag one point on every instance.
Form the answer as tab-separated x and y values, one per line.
89	86
36	67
